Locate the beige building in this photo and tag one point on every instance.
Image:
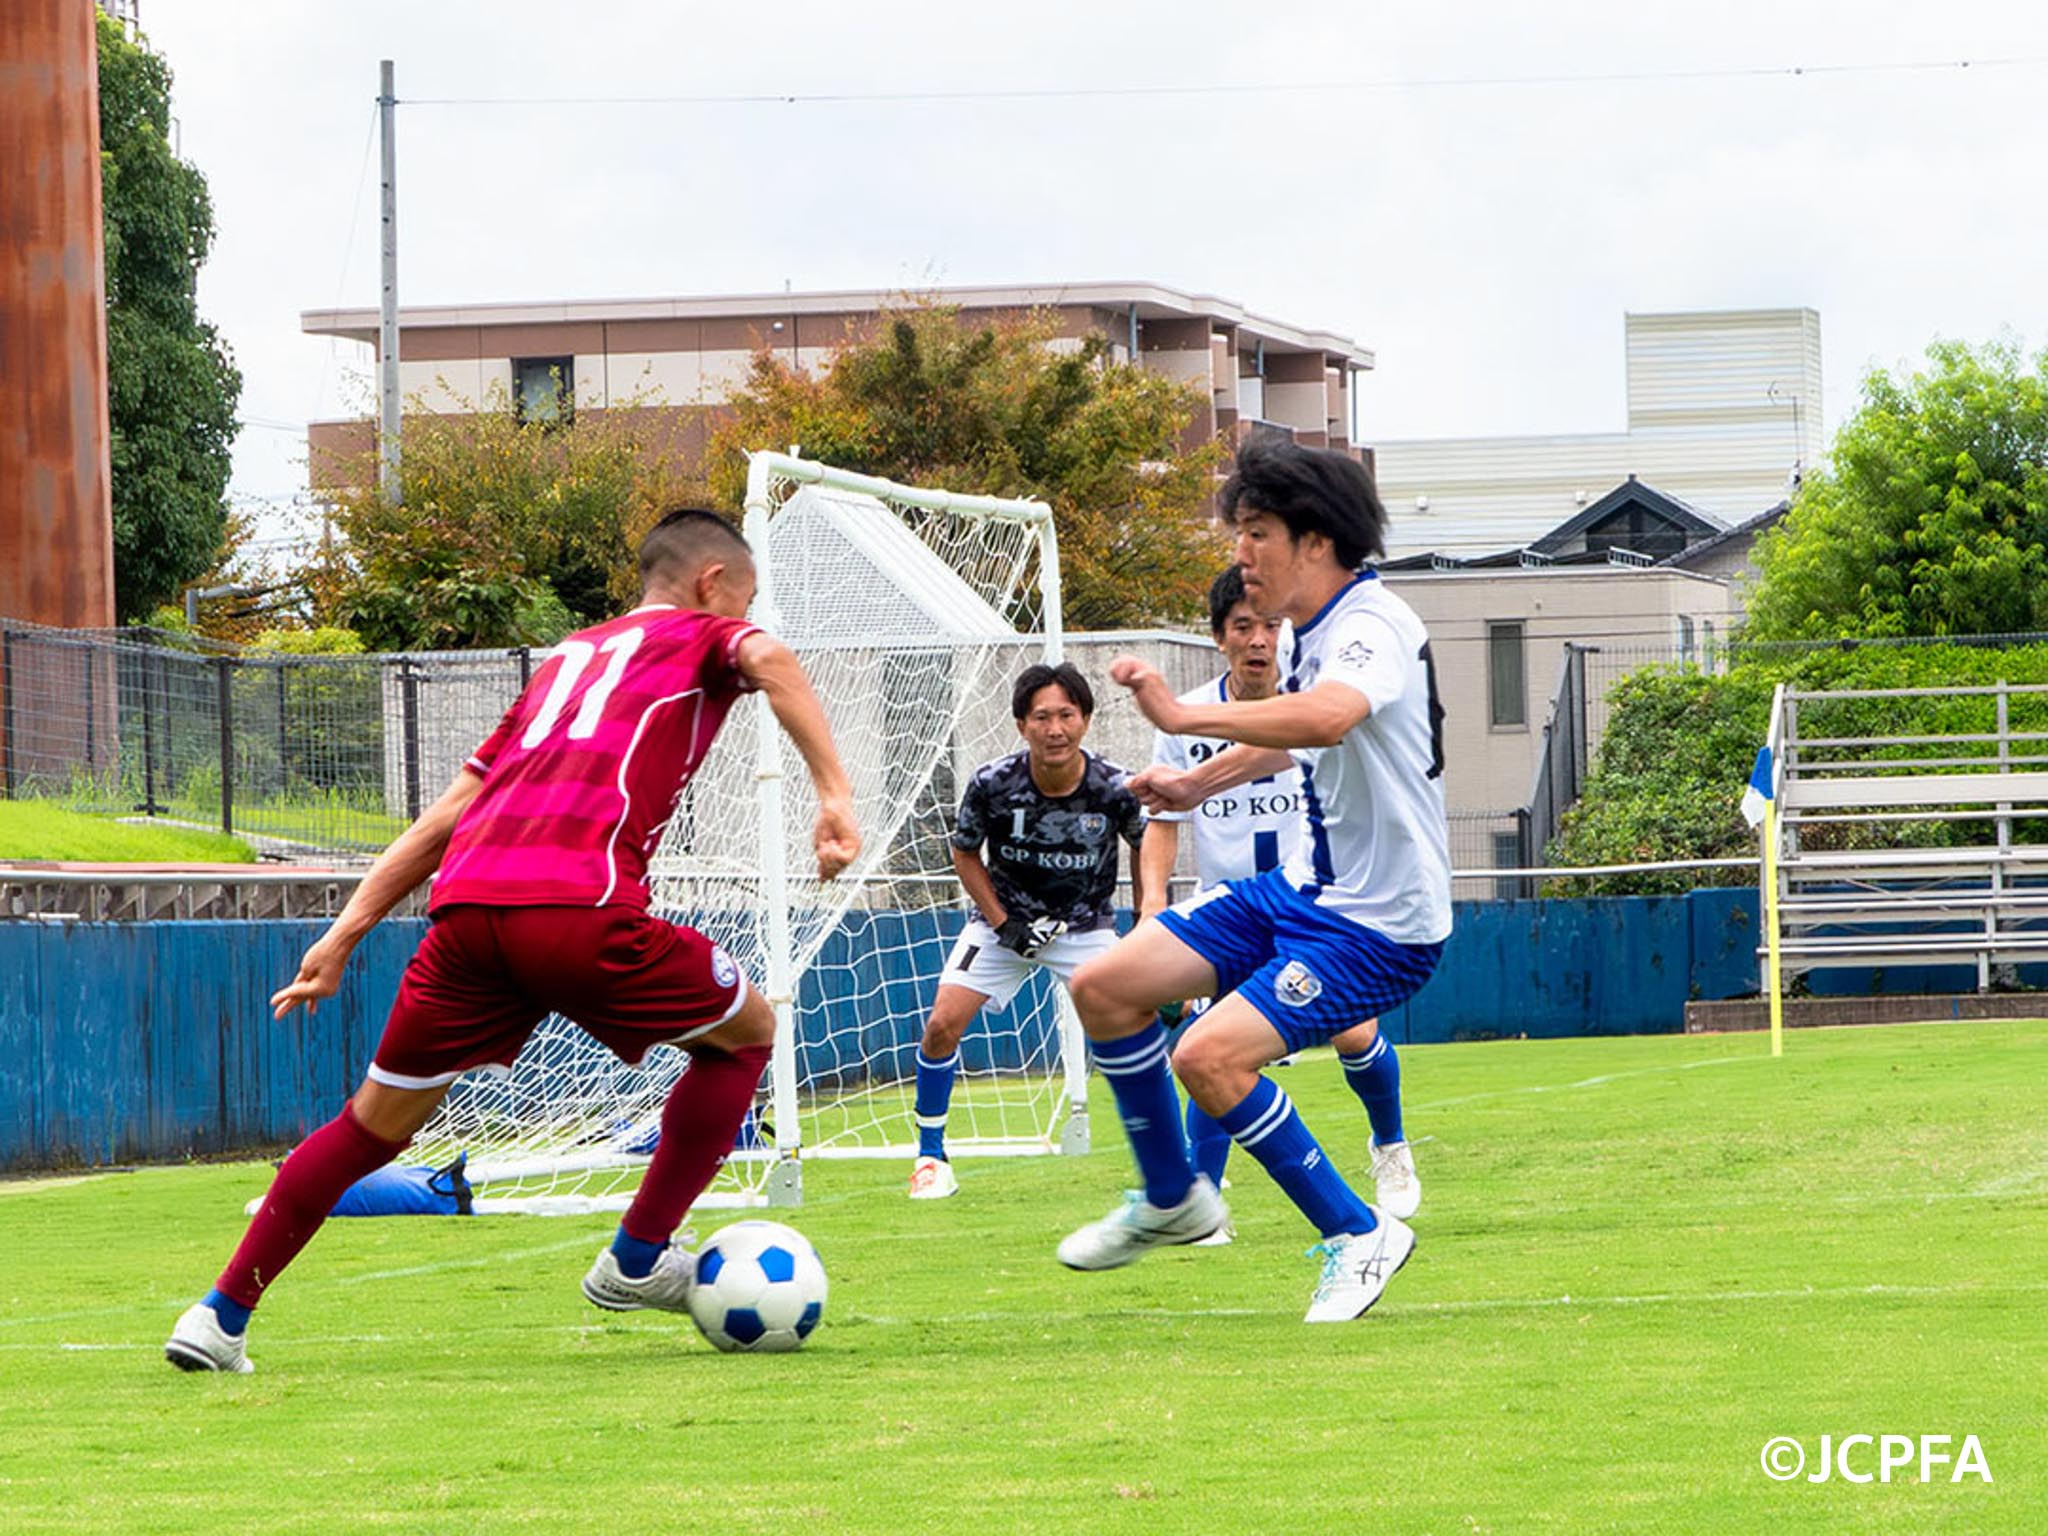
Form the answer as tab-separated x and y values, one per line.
689	354
1723	413
1499	632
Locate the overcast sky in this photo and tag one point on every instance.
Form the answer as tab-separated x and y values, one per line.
1484	239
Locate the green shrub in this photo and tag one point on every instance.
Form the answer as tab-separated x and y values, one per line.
1668	780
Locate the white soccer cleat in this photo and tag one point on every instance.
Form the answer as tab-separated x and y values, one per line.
1396	1190
665	1288
932	1178
199	1343
1137	1225
1356	1269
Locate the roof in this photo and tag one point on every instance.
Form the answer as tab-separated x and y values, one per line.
1525	559
1748	527
1631	492
1152	301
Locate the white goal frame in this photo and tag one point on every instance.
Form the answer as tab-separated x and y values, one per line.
785	1183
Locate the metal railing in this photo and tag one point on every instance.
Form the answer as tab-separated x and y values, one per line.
1910	826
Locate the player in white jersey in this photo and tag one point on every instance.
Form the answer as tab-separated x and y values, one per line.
1244	832
1353	924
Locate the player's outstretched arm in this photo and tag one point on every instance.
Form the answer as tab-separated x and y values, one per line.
773	668
1160	788
1317	718
413	855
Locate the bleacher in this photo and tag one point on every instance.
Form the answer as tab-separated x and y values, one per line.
1911	847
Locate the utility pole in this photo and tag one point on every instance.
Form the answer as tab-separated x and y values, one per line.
387	323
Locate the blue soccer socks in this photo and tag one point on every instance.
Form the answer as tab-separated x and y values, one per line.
635	1255
234	1317
1375	1076
1145	1099
934	1094
1264	1124
1208	1144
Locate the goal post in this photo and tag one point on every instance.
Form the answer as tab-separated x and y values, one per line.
952	558
912	610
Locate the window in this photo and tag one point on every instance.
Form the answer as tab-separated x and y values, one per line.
1707	644
1685	639
544	389
1506	673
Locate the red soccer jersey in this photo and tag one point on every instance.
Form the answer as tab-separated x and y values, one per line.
583	773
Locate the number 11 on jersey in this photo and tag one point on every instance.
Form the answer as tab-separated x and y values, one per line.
577	656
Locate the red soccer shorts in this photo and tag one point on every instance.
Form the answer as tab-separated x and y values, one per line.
485	977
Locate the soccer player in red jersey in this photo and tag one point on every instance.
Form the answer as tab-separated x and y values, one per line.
540	906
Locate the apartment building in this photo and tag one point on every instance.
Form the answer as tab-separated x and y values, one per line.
689	354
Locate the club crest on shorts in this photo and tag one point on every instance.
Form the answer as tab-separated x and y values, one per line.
723	970
1297	986
1093	824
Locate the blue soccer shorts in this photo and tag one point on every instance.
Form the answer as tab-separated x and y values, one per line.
1311	973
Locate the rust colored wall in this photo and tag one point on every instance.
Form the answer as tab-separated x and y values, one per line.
56	520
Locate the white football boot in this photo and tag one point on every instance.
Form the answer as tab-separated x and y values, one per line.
1137	1225
932	1178
1396	1189
199	1343
666	1287
1356	1269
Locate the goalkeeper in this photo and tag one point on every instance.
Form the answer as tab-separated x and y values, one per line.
1049	818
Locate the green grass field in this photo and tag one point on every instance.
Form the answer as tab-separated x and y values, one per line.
30	829
1641	1259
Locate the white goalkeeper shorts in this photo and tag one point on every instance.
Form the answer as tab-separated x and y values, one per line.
981	964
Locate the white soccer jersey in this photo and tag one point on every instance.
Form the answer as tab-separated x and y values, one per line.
1375	849
1241	832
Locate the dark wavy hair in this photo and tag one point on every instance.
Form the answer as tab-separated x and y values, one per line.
1311	490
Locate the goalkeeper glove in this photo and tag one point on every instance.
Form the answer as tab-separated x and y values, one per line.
1027	936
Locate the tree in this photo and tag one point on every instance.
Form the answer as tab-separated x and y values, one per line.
171	386
1933	517
994	409
509	532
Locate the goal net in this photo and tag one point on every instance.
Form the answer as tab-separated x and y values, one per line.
913	611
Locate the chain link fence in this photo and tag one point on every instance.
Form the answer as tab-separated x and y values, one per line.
332	754
312	754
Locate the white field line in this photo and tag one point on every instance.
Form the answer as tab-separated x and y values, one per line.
1584	1082
285	1343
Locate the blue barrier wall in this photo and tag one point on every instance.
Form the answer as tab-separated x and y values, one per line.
138	1041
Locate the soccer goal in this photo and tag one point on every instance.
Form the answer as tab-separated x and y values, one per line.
913	610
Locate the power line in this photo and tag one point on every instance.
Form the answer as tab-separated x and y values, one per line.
1242	88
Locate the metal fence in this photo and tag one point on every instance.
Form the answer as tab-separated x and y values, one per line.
334	753
326	754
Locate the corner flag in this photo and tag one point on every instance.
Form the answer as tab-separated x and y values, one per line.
1756	795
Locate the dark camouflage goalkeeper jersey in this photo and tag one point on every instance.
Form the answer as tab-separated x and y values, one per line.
1050	857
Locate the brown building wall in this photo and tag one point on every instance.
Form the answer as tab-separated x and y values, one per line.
56	514
705	358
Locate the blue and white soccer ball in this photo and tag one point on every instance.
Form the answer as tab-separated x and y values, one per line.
760	1287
